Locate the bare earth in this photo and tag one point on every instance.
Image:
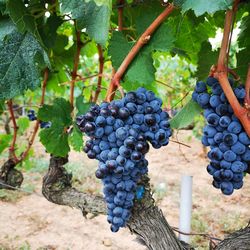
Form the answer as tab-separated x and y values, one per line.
32	222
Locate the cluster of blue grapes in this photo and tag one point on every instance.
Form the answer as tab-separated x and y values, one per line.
119	133
32	117
230	154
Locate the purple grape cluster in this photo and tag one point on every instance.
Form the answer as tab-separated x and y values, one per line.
119	133
230	154
31	115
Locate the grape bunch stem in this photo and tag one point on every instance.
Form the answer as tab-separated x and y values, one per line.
222	71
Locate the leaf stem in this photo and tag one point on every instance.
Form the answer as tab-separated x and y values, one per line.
12	154
165	84
101	66
144	39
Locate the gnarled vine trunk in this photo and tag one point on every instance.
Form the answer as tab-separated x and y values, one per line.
147	220
9	176
239	240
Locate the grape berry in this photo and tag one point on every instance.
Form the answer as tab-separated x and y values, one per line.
119	133
32	117
230	154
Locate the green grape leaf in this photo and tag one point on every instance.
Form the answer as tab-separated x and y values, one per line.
117	54
82	106
104	2
60	111
186	116
4	142
186	36
22	59
55	139
20	16
49	33
163	39
200	6
95	18
190	33
243	62
63	57
142	69
1	106
145	14
55	81
75	139
244	44
3	6
206	58
243	38
90	49
22	123
178	3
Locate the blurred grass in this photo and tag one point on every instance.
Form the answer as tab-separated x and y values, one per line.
24	246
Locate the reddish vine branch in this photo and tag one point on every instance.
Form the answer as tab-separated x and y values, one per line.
12	154
15	127
120	15
221	72
144	39
36	127
101	66
79	45
247	99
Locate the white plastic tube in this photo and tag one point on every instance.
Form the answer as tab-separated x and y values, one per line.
185	207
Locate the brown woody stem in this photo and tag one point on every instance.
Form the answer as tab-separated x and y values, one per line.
221	72
101	66
12	154
144	39
225	42
36	127
120	15
247	98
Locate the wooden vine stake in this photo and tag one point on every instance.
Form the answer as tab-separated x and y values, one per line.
221	72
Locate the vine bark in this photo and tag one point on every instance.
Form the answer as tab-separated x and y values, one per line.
147	220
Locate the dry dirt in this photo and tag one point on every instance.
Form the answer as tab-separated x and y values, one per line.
32	222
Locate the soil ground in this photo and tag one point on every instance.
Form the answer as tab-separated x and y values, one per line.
29	221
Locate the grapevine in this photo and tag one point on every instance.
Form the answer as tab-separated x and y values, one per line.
78	54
